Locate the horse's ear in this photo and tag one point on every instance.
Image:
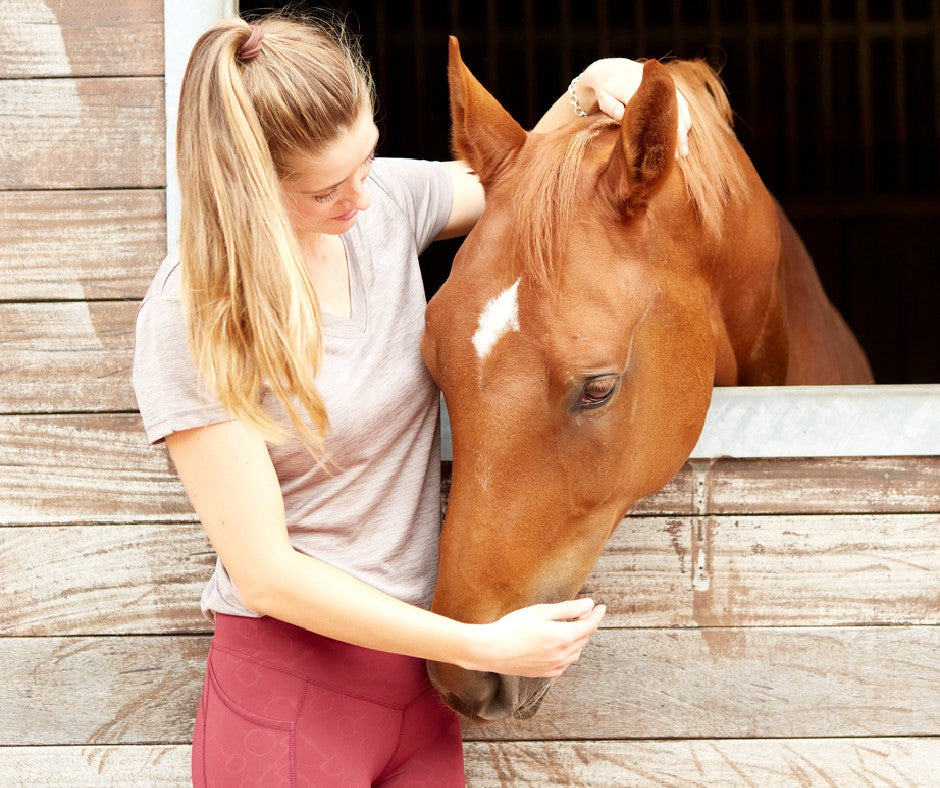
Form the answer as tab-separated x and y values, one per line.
483	134
640	162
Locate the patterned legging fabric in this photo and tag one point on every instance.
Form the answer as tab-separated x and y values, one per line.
282	706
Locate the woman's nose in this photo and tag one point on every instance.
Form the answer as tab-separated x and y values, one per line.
360	196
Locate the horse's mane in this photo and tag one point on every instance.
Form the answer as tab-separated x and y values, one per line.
713	178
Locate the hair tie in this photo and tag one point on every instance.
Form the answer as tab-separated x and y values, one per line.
252	47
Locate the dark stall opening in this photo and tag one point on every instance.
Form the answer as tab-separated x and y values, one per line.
837	103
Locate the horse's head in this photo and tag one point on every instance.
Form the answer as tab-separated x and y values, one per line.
573	347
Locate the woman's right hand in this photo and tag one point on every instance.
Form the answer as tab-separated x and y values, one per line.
537	641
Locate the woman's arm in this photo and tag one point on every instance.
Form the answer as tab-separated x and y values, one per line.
231	482
604	86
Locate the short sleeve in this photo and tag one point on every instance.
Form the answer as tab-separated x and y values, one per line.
165	379
423	190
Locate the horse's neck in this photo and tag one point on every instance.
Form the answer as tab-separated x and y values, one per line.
772	321
822	348
746	293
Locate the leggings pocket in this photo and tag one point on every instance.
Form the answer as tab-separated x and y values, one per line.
248	718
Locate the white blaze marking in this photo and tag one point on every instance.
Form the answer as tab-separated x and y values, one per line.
499	316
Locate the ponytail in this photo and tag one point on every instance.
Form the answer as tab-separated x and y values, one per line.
252	313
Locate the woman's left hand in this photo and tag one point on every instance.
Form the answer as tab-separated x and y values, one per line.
613	82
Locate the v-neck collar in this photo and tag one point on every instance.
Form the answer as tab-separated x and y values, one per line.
358	321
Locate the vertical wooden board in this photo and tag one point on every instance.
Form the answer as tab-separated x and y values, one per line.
104	579
785	762
62	38
780	682
85	469
82	133
127	690
80	245
831	485
61	357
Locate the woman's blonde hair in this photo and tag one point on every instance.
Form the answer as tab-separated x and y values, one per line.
251	310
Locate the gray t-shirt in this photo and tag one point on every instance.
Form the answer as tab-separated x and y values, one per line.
379	517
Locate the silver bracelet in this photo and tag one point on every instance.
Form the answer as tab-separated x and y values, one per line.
573	97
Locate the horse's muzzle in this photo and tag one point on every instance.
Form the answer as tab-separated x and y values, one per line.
487	697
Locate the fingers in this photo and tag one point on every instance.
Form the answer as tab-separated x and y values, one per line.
614	107
610	106
568	611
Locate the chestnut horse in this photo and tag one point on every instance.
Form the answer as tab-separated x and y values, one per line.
606	289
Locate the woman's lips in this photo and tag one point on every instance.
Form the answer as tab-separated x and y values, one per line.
345	217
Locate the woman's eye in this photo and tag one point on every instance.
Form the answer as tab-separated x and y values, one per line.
597	392
325	197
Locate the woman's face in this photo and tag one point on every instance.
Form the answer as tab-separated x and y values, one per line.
324	193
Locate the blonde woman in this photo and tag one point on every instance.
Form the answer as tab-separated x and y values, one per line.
277	356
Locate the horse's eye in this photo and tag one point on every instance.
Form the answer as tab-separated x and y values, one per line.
597	391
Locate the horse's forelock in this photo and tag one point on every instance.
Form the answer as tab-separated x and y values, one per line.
544	200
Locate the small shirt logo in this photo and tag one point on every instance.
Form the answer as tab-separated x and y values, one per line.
382	259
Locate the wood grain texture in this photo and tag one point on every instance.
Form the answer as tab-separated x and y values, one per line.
770	571
82	133
811	570
653	684
61	38
75	467
742	683
140	766
104	580
72	356
85	469
832	484
726	762
122	690
80	245
784	762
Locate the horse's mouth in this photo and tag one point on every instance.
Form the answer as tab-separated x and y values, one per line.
489	697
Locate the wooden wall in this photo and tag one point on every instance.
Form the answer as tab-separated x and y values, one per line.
771	621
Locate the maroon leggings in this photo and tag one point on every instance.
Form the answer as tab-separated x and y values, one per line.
282	706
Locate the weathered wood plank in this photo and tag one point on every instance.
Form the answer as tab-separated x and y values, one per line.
82	133
654	684
783	762
771	570
104	580
835	484
784	570
742	683
141	766
76	468
72	356
80	245
81	469
119	690
59	38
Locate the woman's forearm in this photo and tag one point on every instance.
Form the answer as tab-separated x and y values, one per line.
312	594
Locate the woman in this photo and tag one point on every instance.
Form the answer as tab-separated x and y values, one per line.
277	355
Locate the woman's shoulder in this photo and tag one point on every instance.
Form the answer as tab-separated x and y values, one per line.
410	193
166	280
397	176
